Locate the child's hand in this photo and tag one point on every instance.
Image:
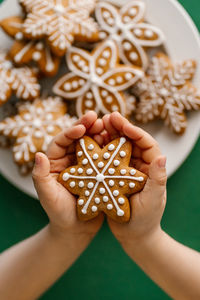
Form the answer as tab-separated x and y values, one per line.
147	207
58	203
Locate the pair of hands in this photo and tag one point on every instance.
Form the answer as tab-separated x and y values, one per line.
147	207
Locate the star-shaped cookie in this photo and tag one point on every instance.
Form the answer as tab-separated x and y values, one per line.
24	51
97	80
103	179
60	21
34	127
21	81
126	27
166	93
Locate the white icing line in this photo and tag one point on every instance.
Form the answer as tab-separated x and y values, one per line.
111	196
84	210
82	143
140	178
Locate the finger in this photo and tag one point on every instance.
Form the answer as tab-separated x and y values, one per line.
118	121
111	130
99	139
58	165
88	119
59	146
97	127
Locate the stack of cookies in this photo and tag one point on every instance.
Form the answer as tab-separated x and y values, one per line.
109	67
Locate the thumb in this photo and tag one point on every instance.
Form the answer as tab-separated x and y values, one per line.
40	174
157	177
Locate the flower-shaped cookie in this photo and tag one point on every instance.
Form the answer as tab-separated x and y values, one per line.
60	21
166	92
34	127
96	80
126	27
102	179
21	81
24	51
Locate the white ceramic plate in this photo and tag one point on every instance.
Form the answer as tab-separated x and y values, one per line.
182	42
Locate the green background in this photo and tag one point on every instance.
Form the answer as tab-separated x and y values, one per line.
104	271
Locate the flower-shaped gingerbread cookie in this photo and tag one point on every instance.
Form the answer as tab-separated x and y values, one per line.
102	179
21	81
34	127
24	51
126	27
60	21
96	80
166	92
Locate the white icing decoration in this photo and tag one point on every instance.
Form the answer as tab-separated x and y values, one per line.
81	184
73	170
102	191
131	185
123	171
72	184
121	183
121	201
132	172
87	193
91	147
109	206
80	170
85	161
65	176
80	153
80	202
90	185
111	171
105	199
115	193
111	147
89	171
100	164
95	156
111	183
94	208
120	213
122	153
106	155
116	163
97	200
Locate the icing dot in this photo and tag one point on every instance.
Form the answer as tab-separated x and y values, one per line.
18	156
85	69
74	84
76	58
122	153
72	184
81	82
50	129
84	211
80	170
73	170
127	19
38	134
106	14
111	81
109	206
109	99
37	56
119	79
81	184
132	172
94	208
67	86
105	199
91	147
26	130
39	46
111	171
65	176
132	185
99	71
128	76
88	103
123	172
27	117
106	155
102	62
110	21
97	200
100	164
140	178
121	201
102	191
80	202
106	54
89	171
87	193
90	185
148	33
81	63
127	46
95	156
89	95
138	32
111	147
133	12
116	163
111	183
85	161
133	56
120	212
121	183
104	93
19	36
100	177
115	193
80	153
102	35
114	108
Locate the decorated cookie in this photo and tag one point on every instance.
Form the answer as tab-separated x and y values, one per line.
34	127
21	81
126	27
24	51
97	80
61	21
102	179
166	92
7	110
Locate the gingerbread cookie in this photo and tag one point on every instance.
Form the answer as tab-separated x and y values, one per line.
97	80
34	127
102	179
21	81
166	92
24	51
126	27
61	21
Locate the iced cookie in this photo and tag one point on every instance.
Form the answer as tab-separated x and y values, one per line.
126	26
60	21
25	51
34	127
166	92
103	179
97	80
21	81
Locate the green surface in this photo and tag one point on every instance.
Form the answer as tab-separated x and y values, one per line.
104	271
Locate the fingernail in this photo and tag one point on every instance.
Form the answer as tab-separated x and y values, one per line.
37	159
162	162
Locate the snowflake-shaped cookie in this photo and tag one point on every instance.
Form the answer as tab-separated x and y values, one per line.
102	179
165	92
24	51
96	80
126	27
35	126
60	21
21	81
